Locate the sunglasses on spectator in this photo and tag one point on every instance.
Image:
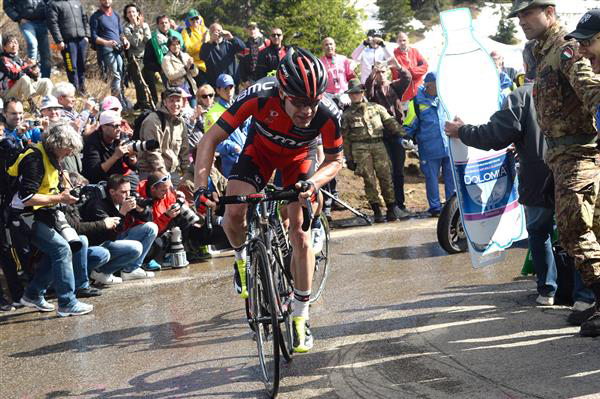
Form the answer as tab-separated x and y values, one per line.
300	102
162	180
276	34
112	125
209	95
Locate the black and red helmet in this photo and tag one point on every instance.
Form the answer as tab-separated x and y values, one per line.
301	74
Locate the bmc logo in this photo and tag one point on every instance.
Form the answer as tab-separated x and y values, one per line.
256	88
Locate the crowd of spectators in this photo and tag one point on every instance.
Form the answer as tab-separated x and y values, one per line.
126	187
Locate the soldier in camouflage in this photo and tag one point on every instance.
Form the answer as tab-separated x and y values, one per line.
566	93
362	128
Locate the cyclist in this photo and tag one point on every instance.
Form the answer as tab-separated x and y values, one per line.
288	114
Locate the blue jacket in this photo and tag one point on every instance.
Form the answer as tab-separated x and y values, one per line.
32	136
427	129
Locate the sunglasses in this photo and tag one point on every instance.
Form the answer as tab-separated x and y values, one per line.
162	180
587	42
276	34
209	95
114	126
300	102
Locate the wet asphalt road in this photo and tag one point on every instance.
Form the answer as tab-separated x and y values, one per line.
399	319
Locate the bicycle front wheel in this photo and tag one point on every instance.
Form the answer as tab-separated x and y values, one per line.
264	309
321	264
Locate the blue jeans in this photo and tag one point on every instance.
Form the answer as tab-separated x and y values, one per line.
36	38
540	224
127	253
431	170
75	57
113	62
59	268
86	259
397	155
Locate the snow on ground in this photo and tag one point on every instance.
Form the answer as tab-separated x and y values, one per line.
485	25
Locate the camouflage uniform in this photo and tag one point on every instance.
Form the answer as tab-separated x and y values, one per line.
566	93
362	129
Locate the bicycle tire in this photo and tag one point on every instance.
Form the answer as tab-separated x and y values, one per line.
285	290
321	265
263	305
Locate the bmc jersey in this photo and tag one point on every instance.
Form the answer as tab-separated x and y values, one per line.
271	127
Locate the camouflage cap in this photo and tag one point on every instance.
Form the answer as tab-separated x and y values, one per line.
520	5
354	86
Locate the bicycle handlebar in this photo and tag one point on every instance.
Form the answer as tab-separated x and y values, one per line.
277	195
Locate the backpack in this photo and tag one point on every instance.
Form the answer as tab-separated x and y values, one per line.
10	149
137	124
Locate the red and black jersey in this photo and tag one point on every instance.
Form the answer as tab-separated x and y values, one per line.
271	127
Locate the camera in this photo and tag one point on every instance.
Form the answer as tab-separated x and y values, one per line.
142	202
55	218
32	123
90	192
139	145
186	217
118	48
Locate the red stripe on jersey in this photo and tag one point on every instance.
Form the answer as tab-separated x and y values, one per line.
332	139
245	110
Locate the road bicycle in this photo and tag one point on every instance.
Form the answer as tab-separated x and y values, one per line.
268	277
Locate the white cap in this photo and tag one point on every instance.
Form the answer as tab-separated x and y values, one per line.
49	102
110	117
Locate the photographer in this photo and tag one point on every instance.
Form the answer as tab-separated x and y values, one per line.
169	209
104	154
173	154
372	50
38	173
129	241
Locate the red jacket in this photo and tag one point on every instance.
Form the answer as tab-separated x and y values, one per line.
11	70
159	207
414	62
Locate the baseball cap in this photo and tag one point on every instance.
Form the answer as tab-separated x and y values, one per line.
111	102
110	117
49	102
175	91
354	86
587	27
430	77
224	80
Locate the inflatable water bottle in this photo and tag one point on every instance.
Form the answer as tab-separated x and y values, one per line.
468	85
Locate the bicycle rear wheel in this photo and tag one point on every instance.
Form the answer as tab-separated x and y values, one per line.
321	264
263	306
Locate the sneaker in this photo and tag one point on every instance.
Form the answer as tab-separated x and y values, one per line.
580	306
39	304
5	306
137	274
105	279
200	254
303	339
545	300
87	292
152	266
577	318
77	309
318	239
239	278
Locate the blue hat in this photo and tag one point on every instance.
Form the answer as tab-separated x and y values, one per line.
430	77
224	80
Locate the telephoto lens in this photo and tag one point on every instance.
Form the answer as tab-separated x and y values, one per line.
187	217
66	231
148	145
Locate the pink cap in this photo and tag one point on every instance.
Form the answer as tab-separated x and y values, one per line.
110	117
111	102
